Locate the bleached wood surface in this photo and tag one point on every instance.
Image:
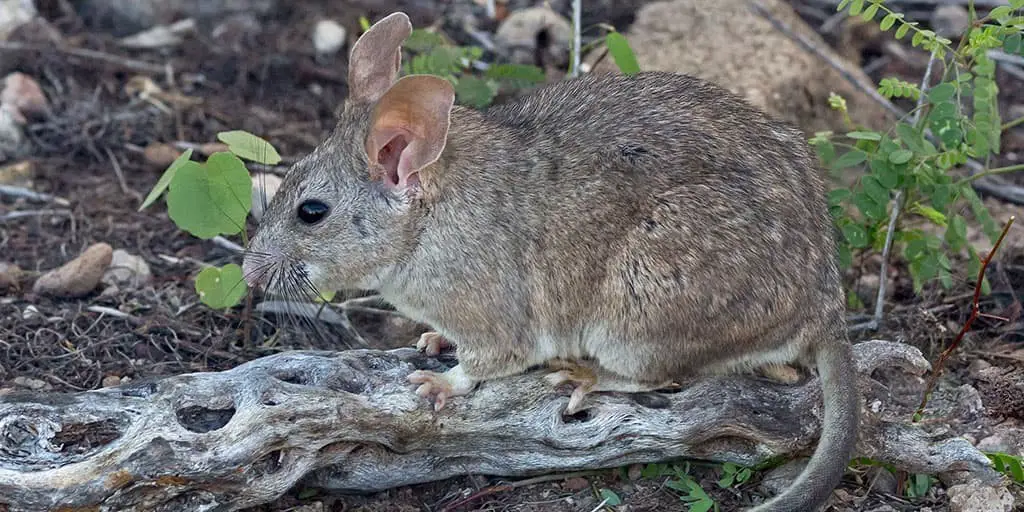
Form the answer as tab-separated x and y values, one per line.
348	421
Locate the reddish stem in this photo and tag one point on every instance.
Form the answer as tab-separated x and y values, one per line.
975	312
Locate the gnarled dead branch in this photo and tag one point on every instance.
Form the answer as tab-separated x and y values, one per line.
348	421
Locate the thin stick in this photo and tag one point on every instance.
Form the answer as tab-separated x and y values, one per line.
975	312
228	244
31	195
32	213
577	40
876	319
114	60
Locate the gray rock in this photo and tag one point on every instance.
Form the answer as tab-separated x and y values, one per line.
127	271
519	35
976	497
13	14
775	74
328	37
950	20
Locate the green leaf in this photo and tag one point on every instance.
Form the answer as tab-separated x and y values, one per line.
519	74
1014	44
913	139
702	506
902	31
1003	11
250	147
222	287
165	179
845	256
887	22
869	207
941	92
612	498
422	41
838	195
475	92
869	13
865	135
917	39
930	213
856	6
886	174
622	54
901	156
213	199
856	235
874	189
849	159
956	232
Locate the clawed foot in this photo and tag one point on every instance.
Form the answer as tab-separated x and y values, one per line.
782	373
432	343
584	379
441	386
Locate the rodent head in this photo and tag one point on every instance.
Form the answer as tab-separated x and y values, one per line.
348	212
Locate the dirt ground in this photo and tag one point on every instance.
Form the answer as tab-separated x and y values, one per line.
89	151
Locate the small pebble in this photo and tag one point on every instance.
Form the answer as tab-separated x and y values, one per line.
77	277
575	483
160	154
264	186
127	271
950	21
111	381
33	384
23	96
18	174
328	37
10	276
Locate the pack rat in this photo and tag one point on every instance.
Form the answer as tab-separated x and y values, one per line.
629	230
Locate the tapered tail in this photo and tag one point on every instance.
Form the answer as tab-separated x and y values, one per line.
838	434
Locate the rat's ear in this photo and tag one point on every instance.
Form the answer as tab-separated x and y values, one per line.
376	57
409	128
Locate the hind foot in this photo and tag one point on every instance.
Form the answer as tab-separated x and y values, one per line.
432	343
784	373
588	377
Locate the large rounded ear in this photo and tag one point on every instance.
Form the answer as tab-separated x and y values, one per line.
409	129
376	57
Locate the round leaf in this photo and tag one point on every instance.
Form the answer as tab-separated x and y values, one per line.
213	199
856	235
475	92
221	288
901	156
250	147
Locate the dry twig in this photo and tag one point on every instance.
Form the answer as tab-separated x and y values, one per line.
940	365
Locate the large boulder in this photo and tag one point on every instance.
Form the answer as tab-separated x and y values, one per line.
729	43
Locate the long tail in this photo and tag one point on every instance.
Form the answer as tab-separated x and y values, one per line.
838	434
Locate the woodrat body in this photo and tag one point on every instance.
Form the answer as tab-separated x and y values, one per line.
629	231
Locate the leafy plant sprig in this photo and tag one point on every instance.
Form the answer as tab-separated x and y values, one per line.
211	199
958	120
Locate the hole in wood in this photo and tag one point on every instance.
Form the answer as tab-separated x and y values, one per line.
201	419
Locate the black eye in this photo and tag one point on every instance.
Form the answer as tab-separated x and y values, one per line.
312	211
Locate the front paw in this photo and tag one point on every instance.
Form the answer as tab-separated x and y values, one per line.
432	343
442	386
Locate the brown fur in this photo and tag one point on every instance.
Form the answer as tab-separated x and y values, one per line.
657	226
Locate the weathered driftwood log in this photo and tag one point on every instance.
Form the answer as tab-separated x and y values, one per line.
348	421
